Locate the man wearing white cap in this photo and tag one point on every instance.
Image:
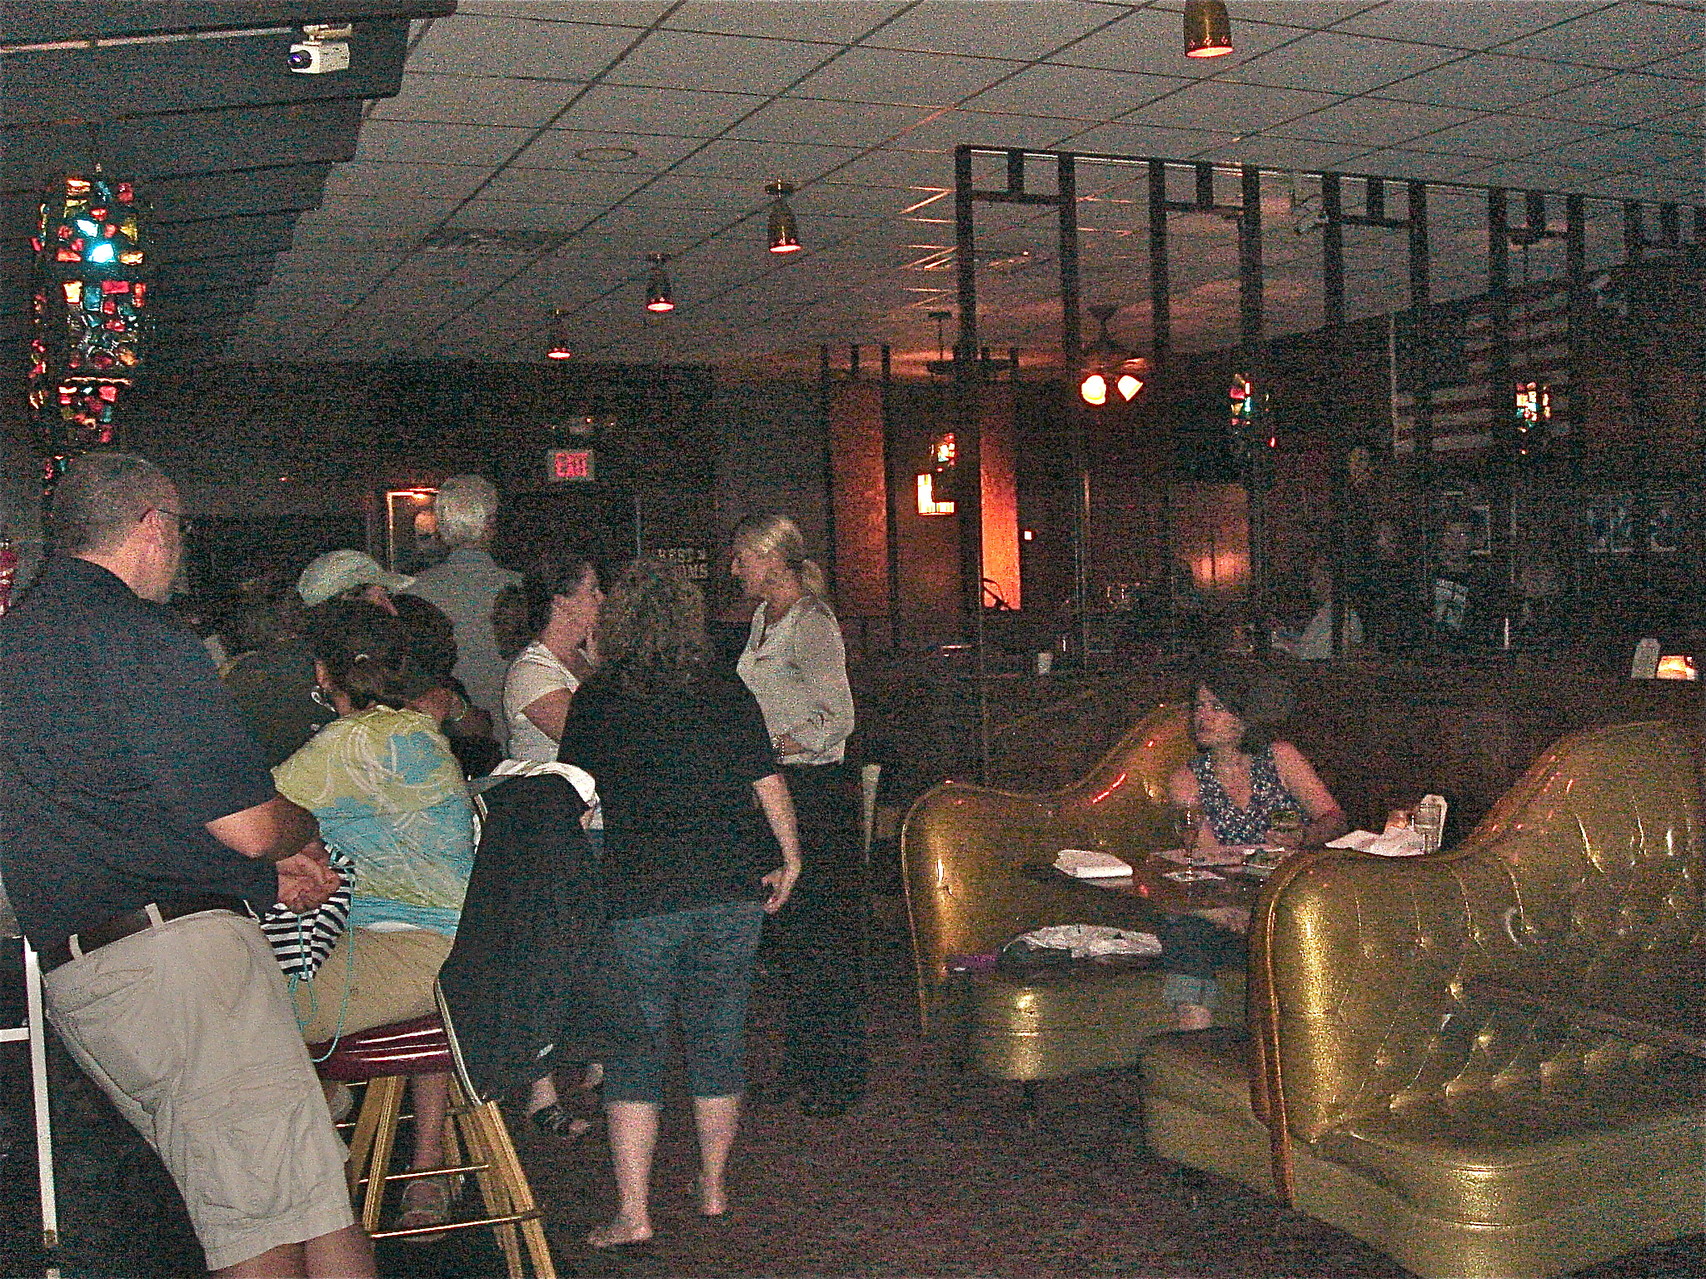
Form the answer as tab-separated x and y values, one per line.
350	575
274	685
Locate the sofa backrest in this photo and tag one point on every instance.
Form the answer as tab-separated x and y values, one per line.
1360	962
963	847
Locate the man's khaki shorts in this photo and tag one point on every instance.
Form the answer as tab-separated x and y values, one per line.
187	1029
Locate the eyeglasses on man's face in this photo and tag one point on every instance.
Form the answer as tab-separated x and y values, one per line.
185	525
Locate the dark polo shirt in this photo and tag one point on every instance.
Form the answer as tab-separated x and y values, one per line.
117	746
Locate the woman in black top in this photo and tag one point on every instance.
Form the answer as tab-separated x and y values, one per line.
679	755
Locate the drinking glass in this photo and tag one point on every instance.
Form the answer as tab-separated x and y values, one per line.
1287	826
1187	824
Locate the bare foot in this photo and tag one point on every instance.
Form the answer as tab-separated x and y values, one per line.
618	1234
713	1201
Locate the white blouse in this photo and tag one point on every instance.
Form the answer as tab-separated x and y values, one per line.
796	667
534	673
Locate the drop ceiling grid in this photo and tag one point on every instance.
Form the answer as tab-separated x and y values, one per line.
1265	106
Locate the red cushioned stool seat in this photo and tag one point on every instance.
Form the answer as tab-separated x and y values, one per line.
384	1059
416	1047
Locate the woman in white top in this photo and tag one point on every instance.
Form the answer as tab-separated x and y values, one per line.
796	667
562	605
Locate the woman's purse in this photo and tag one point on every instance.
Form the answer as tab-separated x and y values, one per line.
302	942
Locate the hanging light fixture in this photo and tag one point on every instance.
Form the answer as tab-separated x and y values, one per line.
559	349
658	294
1108	366
784	230
1208	31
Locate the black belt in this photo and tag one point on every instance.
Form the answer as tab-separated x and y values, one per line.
130	922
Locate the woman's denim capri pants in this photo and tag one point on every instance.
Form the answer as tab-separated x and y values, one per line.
697	963
1192	949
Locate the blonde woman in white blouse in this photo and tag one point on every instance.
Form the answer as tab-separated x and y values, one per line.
795	665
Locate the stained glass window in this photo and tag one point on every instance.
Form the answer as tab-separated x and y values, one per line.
88	302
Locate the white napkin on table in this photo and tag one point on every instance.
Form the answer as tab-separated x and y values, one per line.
1090	863
1402	842
1089	941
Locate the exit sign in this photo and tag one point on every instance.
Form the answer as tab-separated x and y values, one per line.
566	465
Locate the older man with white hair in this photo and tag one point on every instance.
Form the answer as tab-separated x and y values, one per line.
465	584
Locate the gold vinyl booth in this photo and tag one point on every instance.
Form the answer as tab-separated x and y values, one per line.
1464	1137
965	851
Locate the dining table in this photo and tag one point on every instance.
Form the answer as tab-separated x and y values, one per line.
1162	882
1656	1000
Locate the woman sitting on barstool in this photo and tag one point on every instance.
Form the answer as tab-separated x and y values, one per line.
386	789
1242	776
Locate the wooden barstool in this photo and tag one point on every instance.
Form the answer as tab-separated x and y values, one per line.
383	1059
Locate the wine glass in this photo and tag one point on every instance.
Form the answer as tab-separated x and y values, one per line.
1287	826
1187	824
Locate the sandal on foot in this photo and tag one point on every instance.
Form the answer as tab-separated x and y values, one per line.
614	1245
556	1121
426	1202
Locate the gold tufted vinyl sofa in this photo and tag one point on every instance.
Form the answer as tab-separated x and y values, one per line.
1466	1138
965	852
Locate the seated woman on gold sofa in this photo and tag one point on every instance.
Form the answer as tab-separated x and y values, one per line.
1240	778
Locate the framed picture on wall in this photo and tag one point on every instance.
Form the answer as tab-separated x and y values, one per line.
1465	526
1664	523
1610	524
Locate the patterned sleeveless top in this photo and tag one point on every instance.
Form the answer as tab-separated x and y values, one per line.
1234	825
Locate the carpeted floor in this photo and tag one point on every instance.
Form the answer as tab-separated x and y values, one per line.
937	1173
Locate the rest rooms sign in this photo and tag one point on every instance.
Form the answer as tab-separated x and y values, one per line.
563	466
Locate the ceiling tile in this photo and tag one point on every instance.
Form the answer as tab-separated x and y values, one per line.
1463	24
374	209
915	79
1626	146
1153	41
1228	108
1398	162
1687	66
585	185
853	124
718	63
731	195
1622	35
1021	31
1088	93
360	179
1626	96
1135	138
1526	175
626	109
473	45
1340	63
833	20
1489	82
758	161
980	128
559	148
1298	13
1372	121
1502	136
900	168
1281	153
485	100
1690	124
400	141
633	13
517	215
